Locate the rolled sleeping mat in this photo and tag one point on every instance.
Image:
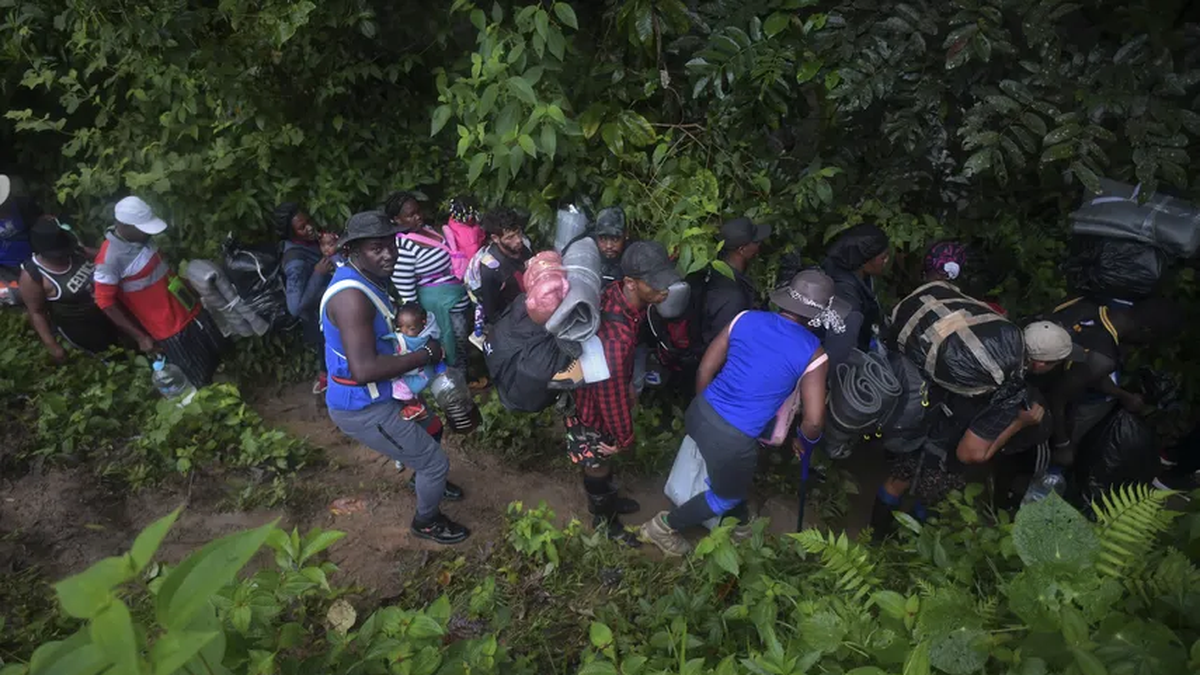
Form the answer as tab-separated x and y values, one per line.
678	295
862	394
578	316
221	299
570	223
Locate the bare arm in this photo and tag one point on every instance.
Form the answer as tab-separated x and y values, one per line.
34	297
973	449
812	398
712	361
354	315
126	324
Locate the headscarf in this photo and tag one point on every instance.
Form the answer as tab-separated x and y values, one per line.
855	246
282	217
946	257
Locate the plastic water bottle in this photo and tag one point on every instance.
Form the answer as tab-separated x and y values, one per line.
171	382
1039	489
450	391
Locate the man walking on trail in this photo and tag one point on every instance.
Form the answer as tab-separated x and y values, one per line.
143	297
609	234
357	312
501	263
602	424
725	298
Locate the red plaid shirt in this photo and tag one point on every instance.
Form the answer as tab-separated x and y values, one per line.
607	406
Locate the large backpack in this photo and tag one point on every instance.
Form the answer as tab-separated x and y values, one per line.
960	343
522	357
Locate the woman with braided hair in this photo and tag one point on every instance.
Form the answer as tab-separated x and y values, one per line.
424	273
306	273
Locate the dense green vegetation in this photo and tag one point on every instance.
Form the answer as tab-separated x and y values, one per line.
971	592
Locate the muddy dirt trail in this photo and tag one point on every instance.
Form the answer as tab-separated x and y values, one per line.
64	520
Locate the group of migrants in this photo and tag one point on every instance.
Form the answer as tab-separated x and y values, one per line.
390	303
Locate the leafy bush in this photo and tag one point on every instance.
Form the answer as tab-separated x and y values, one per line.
968	592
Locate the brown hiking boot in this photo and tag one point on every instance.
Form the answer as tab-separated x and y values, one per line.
657	532
567	378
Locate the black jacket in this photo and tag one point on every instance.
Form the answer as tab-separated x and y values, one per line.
724	299
865	313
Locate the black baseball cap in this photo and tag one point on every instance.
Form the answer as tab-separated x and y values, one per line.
649	262
610	222
741	231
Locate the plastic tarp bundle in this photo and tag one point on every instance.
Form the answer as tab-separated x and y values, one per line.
222	301
960	343
578	317
545	285
257	275
570	223
1114	268
1119	450
522	357
905	429
1165	222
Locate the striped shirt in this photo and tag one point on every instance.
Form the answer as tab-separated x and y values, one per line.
420	265
136	276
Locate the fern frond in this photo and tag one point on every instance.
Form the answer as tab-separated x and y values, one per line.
1173	574
1130	519
849	564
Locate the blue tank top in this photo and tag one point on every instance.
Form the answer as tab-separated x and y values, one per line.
768	354
354	397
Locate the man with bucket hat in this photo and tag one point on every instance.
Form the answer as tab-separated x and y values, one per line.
357	315
144	298
748	374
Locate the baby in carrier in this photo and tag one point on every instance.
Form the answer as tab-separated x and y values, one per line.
412	333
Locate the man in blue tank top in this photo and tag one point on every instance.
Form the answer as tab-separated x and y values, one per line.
747	373
356	313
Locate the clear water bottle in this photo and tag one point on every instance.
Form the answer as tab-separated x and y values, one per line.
1040	488
449	389
171	382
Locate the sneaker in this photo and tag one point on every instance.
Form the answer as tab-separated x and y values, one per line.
451	493
657	532
414	411
440	530
321	384
741	533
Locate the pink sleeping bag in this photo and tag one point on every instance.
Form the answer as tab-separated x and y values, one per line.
545	285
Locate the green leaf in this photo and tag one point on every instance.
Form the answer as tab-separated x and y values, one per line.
424	627
1086	176
917	662
1058	152
726	558
589	121
85	594
521	88
598	667
549	140
476	167
1052	533
112	632
527	145
556	43
867	670
977	163
76	655
808	70
541	23
776	23
1087	662
172	650
636	129
441	115
959	653
601	635
1063	133
148	541
566	14
488	99
1034	123
479	19
611	134
189	586
890	603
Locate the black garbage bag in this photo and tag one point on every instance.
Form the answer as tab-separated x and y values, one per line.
960	343
257	274
1120	450
1114	268
522	357
906	428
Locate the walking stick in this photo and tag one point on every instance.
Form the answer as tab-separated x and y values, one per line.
802	491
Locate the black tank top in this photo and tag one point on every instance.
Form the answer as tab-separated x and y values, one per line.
72	306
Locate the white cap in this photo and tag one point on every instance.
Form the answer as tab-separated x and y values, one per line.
133	211
5	188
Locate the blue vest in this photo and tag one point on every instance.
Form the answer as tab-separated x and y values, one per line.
768	355
342	396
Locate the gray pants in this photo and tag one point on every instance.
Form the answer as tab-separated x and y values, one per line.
380	427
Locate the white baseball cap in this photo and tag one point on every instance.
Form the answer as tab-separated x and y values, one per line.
133	211
1050	342
5	188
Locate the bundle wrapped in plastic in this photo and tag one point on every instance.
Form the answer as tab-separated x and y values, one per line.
523	357
257	274
1114	268
545	285
578	317
1119	212
222	301
570	224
